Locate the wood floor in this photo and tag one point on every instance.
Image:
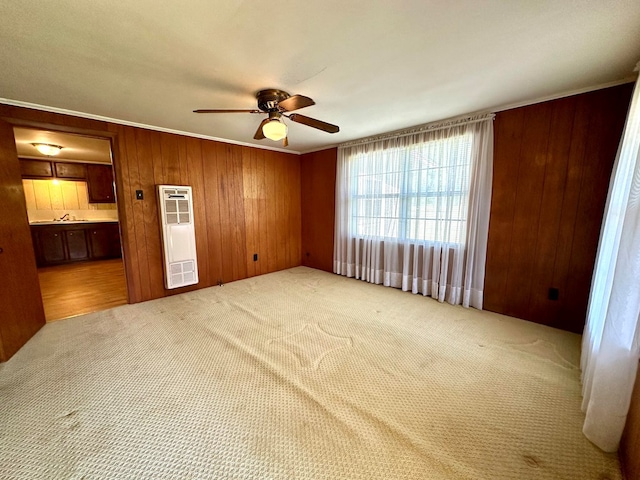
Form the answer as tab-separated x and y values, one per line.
74	289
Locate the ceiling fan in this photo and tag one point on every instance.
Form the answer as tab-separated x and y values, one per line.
277	104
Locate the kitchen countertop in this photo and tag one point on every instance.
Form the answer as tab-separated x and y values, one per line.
69	222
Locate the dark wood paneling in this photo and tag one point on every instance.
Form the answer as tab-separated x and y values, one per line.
272	213
502	205
22	312
232	222
127	182
252	237
561	121
552	163
212	209
630	444
318	208
526	215
194	170
263	223
227	231
551	172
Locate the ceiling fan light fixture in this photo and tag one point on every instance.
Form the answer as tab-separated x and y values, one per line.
274	129
47	149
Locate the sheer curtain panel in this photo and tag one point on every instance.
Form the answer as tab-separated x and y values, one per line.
412	209
610	347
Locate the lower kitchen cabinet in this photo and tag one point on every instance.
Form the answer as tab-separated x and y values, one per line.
104	241
76	240
49	245
57	244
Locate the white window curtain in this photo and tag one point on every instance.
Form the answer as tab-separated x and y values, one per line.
412	209
610	349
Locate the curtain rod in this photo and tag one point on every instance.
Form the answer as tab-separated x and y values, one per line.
427	127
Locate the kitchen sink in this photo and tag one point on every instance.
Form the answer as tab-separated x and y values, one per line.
64	222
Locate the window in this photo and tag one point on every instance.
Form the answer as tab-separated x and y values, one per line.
419	192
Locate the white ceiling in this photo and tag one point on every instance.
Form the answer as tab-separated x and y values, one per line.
371	67
77	148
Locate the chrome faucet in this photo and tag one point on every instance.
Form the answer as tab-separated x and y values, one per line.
64	217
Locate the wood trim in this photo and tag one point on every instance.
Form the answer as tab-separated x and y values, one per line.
27	117
85	132
114	121
22	312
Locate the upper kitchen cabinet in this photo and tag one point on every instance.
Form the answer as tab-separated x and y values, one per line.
36	169
45	169
100	184
99	178
72	171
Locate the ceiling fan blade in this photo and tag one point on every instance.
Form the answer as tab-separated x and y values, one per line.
295	102
259	134
207	110
285	142
312	122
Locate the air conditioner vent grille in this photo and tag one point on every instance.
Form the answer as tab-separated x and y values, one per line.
178	236
177	210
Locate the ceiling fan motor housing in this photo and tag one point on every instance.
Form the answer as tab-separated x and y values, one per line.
268	99
277	104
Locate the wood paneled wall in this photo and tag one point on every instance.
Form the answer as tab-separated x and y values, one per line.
22	313
551	170
630	445
552	163
246	201
318	208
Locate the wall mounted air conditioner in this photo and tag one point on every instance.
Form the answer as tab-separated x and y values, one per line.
178	236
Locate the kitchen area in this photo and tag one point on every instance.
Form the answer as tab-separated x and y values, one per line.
70	197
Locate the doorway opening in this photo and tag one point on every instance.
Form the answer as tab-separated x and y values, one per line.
69	189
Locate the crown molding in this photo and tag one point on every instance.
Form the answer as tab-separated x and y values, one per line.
64	111
564	94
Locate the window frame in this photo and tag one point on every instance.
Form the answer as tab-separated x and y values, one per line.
405	196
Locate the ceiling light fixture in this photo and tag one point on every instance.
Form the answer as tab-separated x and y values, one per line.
47	149
274	129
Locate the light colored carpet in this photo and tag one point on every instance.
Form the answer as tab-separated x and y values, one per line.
298	374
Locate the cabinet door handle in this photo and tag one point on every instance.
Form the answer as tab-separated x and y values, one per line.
55	234
1	250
